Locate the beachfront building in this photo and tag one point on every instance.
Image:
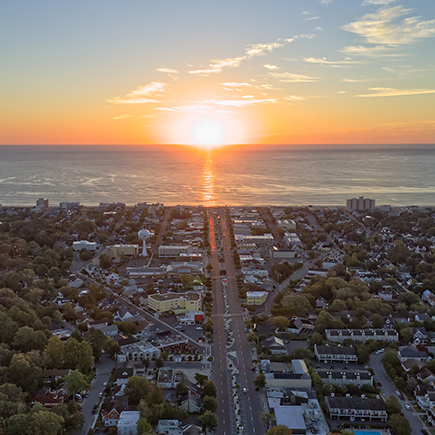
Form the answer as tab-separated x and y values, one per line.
179	303
360	203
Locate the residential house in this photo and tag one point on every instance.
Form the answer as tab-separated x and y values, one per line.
169	427
410	352
122	375
127	424
356	408
419	335
426	376
335	354
345	377
275	345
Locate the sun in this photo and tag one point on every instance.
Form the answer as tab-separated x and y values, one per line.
208	133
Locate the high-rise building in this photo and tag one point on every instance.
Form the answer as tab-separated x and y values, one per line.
360	203
42	204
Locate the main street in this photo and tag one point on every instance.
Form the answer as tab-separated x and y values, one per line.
250	402
224	412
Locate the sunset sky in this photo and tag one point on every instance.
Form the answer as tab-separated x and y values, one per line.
217	72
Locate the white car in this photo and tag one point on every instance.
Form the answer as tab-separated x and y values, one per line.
245	390
408	407
199	328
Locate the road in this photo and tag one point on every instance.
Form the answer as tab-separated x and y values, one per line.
251	409
225	414
104	368
388	389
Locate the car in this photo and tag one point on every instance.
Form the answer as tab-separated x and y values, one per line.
407	407
379	384
100	395
245	390
199	328
253	369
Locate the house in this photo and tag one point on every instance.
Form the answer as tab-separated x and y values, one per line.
340	335
298	325
356	408
127	424
335	354
426	376
169	427
419	335
108	330
166	378
123	315
256	298
122	375
425	396
47	398
112	408
345	377
429	298
275	345
193	402
410	352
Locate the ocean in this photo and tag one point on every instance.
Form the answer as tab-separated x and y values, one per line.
235	175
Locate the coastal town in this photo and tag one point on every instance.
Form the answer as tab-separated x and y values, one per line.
186	320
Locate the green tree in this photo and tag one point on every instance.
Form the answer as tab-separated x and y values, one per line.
209	389
75	382
280	430
180	389
399	424
209	403
267	418
393	405
159	363
280	322
144	427
200	379
54	352
208	420
137	388
260	381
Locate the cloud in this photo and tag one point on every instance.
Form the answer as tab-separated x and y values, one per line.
287	77
376	51
377	2
235	85
294	98
121	117
271	67
253	50
325	2
386	27
391	92
241	103
335	64
197	108
356	80
142	95
167	70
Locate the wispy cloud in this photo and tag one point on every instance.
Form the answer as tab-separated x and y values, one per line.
121	117
271	67
195	108
235	85
377	2
311	18
287	77
356	80
142	95
253	50
334	64
170	71
392	92
386	27
294	98
241	103
375	51
325	2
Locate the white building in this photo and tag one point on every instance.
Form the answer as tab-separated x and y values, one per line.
127	424
173	251
265	240
286	224
360	203
68	205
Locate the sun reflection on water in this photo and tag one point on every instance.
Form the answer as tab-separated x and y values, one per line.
208	196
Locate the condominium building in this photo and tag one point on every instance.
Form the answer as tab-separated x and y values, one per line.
179	303
256	298
360	203
335	354
339	335
353	408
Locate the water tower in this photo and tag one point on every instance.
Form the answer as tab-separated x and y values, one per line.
144	235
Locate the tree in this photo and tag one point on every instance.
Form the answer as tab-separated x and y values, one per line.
137	388
209	403
54	351
105	261
280	430
209	389
180	389
267	418
144	427
75	381
280	322
260	381
393	405
200	379
399	424
208	420
159	363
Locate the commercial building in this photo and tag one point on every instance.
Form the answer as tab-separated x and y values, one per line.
292	239
335	354
286	224
173	251
42	204
256	298
84	244
339	335
360	203
265	240
68	205
356	408
184	268
179	303
280	375
276	253
117	250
